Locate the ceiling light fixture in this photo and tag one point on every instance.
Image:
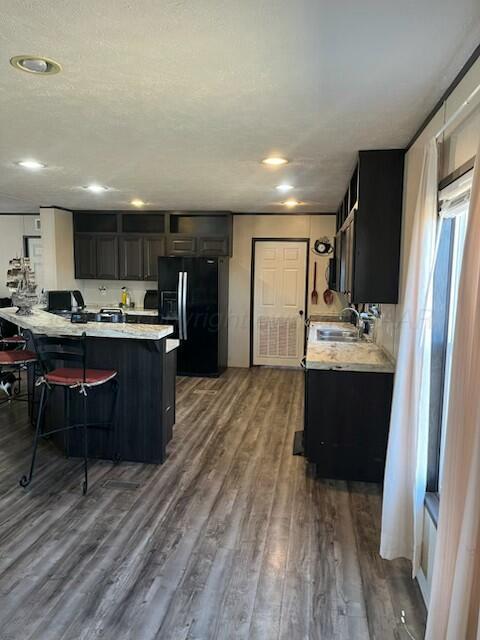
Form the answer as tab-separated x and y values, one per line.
274	161
96	188
31	164
136	202
291	203
284	187
38	65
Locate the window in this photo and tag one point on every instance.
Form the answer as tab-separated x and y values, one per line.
454	202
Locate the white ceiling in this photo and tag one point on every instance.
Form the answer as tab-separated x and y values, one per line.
176	101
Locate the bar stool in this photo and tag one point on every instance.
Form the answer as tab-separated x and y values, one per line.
51	350
14	362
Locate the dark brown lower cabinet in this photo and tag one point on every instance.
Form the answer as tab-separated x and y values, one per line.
145	413
347	415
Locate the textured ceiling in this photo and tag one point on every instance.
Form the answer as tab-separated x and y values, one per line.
176	101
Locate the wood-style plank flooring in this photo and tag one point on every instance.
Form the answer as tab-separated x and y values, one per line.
231	538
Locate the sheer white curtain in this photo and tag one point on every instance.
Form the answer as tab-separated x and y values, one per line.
407	453
455	598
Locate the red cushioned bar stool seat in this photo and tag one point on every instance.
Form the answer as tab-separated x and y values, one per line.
17	357
16	341
75	377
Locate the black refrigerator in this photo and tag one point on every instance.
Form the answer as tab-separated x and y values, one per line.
193	296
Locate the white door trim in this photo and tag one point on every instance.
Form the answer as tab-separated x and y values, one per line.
306	241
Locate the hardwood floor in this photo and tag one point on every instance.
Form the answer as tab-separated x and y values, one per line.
231	538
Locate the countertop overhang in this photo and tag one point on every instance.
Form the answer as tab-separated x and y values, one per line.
363	355
45	323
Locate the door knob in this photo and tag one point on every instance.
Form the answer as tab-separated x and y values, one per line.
300	312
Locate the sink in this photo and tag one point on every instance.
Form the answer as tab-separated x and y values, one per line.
339	338
341	335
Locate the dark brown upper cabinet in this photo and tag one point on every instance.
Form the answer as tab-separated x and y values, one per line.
200	234
179	245
127	245
369	221
85	256
131	257
107	257
213	246
96	256
153	248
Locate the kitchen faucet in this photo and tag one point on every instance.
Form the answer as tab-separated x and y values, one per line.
358	322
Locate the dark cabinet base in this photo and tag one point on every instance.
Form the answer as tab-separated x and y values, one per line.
146	402
347	417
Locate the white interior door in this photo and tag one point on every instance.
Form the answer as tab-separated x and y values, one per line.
279	302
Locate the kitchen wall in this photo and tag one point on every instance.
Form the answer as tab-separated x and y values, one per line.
57	240
246	227
459	144
112	294
12	229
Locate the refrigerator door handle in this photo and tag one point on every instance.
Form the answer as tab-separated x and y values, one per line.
179	304
184	305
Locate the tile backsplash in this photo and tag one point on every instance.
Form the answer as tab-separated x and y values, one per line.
109	292
385	328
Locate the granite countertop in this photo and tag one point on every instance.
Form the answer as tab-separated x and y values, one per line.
363	355
51	325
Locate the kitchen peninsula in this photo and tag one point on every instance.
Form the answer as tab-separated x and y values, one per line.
146	363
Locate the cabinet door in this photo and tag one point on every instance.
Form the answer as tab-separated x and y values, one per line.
343	262
153	248
131	258
168	392
85	256
350	265
338	262
181	246
213	246
347	418
107	257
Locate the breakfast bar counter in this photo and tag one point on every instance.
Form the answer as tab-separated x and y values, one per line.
146	367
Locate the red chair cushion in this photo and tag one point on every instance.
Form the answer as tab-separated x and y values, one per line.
14	340
70	377
17	357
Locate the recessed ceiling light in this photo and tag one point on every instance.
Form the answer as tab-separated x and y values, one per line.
291	203
35	64
96	188
137	202
284	187
274	161
31	164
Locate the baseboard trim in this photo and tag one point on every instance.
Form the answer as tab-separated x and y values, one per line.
422	583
